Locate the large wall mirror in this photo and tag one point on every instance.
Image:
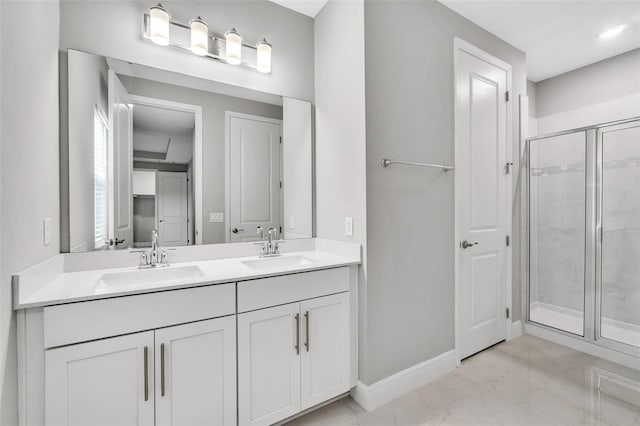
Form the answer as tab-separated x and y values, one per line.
199	161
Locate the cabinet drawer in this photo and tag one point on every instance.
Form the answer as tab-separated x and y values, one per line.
262	293
83	321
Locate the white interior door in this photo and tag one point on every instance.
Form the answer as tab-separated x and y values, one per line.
120	164
325	348
269	365
101	383
482	212
254	175
172	208
196	373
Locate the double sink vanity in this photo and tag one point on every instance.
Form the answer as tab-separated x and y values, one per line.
219	337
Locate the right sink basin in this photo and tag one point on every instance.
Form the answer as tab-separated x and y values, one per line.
277	262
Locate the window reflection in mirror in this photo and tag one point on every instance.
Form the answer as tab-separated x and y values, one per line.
200	161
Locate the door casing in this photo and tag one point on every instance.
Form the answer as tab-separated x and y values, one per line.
461	46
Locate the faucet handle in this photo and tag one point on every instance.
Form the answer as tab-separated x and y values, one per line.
164	258
260	231
144	260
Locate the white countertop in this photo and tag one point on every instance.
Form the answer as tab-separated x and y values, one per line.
65	287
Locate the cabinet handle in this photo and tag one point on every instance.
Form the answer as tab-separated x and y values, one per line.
146	373
161	369
297	334
306	317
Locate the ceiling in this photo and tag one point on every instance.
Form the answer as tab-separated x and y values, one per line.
162	120
557	36
306	7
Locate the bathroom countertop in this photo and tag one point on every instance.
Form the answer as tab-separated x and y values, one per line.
66	287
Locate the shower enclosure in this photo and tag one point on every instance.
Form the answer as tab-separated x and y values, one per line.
581	192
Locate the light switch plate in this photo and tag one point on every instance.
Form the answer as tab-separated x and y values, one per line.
292	222
216	217
348	226
46	231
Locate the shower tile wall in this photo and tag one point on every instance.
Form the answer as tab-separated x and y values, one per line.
621	226
557	220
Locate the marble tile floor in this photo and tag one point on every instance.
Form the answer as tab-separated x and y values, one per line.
526	381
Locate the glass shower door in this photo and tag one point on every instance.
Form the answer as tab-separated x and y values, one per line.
557	209
618	303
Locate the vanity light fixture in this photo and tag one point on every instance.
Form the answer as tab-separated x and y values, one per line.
199	36
159	25
196	37
233	51
612	32
263	62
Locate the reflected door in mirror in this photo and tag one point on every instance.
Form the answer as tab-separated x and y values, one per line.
120	164
254	187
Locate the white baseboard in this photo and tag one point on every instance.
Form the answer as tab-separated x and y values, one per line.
392	387
583	346
516	329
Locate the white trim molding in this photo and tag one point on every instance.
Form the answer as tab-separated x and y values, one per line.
460	45
392	387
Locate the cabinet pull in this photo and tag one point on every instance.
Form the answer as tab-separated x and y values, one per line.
161	369
306	317
297	334
146	373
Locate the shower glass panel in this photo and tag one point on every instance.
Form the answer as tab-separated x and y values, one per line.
620	246
557	205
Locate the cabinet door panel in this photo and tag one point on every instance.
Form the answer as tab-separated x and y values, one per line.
101	382
268	365
325	349
198	362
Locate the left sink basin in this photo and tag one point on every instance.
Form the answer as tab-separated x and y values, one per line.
154	276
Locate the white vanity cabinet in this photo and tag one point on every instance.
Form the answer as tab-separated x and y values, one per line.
181	375
195	374
252	352
292	357
106	382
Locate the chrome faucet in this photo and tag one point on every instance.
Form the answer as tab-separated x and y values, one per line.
271	247
150	259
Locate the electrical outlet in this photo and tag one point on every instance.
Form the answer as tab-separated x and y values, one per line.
216	217
292	222
46	231
348	226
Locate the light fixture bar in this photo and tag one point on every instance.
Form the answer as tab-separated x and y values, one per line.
216	38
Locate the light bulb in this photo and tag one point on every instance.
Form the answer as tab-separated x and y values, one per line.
233	47
159	25
199	36
263	63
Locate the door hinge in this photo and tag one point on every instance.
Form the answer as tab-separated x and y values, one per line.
281	230
508	241
506	96
280	139
280	184
508	312
507	167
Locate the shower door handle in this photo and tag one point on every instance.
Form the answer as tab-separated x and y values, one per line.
466	244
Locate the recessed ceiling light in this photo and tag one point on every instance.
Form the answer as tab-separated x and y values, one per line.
612	32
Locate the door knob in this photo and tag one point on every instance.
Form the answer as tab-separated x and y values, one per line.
236	230
466	244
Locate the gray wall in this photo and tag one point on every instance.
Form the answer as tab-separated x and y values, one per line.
410	212
600	82
340	120
28	162
213	134
113	29
341	134
532	94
